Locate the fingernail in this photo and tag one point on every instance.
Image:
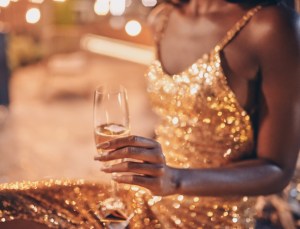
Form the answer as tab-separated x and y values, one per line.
97	158
103	145
106	167
115	176
103	155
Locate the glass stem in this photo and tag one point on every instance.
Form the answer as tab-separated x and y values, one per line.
114	188
114	185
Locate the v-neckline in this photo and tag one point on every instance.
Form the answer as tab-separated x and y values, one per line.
185	69
216	55
231	33
214	51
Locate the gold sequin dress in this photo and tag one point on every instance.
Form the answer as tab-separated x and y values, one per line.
202	126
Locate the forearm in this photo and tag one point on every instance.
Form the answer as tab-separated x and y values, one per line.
249	177
253	177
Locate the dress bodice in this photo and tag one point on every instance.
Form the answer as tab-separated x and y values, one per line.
202	123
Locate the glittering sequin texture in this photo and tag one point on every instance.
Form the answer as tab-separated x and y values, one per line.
200	116
202	126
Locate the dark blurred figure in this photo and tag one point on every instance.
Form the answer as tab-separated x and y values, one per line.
4	71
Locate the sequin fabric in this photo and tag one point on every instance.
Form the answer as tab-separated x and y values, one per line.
202	126
200	116
71	204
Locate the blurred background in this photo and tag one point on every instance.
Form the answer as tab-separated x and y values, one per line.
53	54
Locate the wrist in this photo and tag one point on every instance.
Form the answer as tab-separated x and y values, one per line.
176	181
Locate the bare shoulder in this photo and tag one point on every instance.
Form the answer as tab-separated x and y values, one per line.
158	14
275	42
274	24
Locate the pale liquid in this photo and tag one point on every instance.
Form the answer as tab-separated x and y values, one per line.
107	132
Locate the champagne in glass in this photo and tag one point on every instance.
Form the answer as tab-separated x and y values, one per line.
107	132
111	120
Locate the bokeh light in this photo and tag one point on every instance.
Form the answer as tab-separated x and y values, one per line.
133	28
33	15
4	3
37	1
117	7
101	7
149	3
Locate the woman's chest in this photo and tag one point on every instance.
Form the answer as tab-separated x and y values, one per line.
179	49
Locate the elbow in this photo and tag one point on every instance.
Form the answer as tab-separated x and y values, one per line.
285	180
278	186
280	180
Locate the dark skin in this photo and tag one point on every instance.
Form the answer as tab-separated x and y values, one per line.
267	50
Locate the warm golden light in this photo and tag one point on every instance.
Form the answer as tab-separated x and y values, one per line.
59	0
149	3
133	28
101	7
117	7
122	50
33	15
4	3
37	1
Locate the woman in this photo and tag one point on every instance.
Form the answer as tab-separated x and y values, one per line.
229	125
225	85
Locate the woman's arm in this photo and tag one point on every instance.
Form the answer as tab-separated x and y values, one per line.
277	45
278	54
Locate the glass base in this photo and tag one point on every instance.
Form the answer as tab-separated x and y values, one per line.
113	215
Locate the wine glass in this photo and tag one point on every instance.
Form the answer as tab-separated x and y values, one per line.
111	120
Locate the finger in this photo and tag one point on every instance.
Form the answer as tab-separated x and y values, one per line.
135	167
128	141
137	153
147	182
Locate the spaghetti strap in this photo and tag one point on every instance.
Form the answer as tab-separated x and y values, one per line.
160	21
236	29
